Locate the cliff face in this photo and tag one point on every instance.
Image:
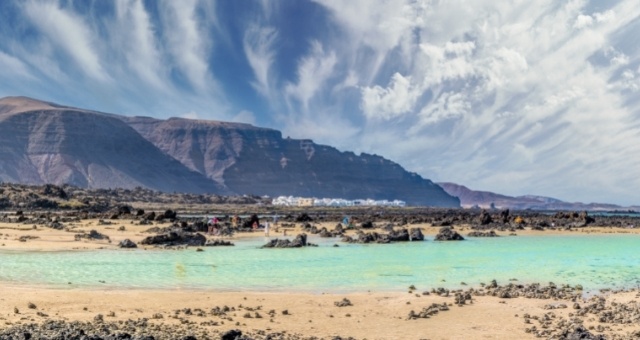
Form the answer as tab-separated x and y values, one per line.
47	143
247	159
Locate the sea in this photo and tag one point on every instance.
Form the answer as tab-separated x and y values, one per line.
609	261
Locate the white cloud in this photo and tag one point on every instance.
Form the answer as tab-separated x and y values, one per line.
390	102
190	115
187	42
136	36
69	32
246	117
259	50
313	72
11	66
491	91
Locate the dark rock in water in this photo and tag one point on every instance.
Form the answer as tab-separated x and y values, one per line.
400	235
298	242
490	233
231	335
127	243
447	234
218	243
416	234
176	238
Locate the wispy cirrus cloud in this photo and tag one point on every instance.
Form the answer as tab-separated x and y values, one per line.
69	34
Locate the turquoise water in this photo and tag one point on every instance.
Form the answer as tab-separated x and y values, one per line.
610	261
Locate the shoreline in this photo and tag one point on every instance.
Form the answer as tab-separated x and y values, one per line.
374	314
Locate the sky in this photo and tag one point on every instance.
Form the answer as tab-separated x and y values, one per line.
516	97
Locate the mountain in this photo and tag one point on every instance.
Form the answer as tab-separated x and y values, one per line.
485	199
43	142
47	143
248	159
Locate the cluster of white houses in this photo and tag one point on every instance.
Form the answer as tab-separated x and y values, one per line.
291	201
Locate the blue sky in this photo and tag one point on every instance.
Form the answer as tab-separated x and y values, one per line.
517	97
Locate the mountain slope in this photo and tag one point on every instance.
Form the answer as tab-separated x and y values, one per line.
485	199
248	159
47	143
43	142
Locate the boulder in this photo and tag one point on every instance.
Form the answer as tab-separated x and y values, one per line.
127	243
416	234
232	334
447	234
485	218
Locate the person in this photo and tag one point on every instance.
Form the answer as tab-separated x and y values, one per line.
266	229
213	225
255	225
275	220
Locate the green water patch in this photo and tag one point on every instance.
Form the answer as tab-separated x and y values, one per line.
595	261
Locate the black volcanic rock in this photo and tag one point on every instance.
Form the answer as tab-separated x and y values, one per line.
448	234
45	143
252	160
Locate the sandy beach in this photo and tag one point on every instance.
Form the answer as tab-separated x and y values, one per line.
370	315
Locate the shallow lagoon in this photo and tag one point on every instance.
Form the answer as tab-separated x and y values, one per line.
595	261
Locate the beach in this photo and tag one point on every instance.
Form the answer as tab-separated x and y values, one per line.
370	314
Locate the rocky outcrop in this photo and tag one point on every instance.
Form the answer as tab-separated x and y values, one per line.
448	234
176	238
401	235
298	242
489	233
218	243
